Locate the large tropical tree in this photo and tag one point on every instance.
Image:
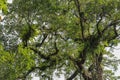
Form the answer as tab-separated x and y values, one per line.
68	37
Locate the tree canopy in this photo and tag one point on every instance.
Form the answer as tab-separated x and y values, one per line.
68	37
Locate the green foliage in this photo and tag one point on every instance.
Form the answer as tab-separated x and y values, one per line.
3	6
60	35
14	65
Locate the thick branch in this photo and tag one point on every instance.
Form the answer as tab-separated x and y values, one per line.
47	57
81	17
73	75
115	34
40	44
56	50
80	63
42	68
112	61
111	24
98	24
115	31
40	54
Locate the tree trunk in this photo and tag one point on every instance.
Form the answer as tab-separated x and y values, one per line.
99	71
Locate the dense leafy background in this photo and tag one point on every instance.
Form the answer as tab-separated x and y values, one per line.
66	36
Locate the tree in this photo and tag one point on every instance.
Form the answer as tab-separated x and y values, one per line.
70	36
